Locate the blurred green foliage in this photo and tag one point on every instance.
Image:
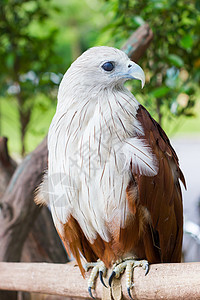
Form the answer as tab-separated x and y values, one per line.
40	39
172	62
27	58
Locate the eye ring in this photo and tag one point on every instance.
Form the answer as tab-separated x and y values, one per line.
108	66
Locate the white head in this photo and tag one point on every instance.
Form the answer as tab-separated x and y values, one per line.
100	68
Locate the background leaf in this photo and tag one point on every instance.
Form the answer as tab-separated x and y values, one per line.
176	60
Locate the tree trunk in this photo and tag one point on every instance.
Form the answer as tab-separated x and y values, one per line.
43	243
18	210
24	120
7	165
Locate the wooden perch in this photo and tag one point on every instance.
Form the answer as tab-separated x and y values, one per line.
164	281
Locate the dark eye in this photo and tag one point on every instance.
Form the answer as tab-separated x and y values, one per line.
108	66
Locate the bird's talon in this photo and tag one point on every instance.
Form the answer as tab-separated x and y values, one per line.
129	293
101	278
146	269
90	292
111	278
98	269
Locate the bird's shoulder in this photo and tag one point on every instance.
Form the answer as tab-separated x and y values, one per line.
159	142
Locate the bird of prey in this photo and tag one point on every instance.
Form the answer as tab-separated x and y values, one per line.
113	176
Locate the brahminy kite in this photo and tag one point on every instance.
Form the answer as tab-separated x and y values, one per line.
113	176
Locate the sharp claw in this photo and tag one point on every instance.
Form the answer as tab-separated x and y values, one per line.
90	292
129	293
111	278
146	269
101	278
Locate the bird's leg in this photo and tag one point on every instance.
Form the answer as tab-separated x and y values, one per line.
98	269
128	264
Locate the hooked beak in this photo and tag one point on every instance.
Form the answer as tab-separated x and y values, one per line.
136	72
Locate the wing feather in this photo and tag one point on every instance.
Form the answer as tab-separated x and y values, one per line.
161	195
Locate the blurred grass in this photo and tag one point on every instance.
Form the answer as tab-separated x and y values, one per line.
10	126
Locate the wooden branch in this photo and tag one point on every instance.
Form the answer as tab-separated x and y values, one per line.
164	281
138	42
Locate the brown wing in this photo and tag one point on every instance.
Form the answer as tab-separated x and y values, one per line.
161	195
